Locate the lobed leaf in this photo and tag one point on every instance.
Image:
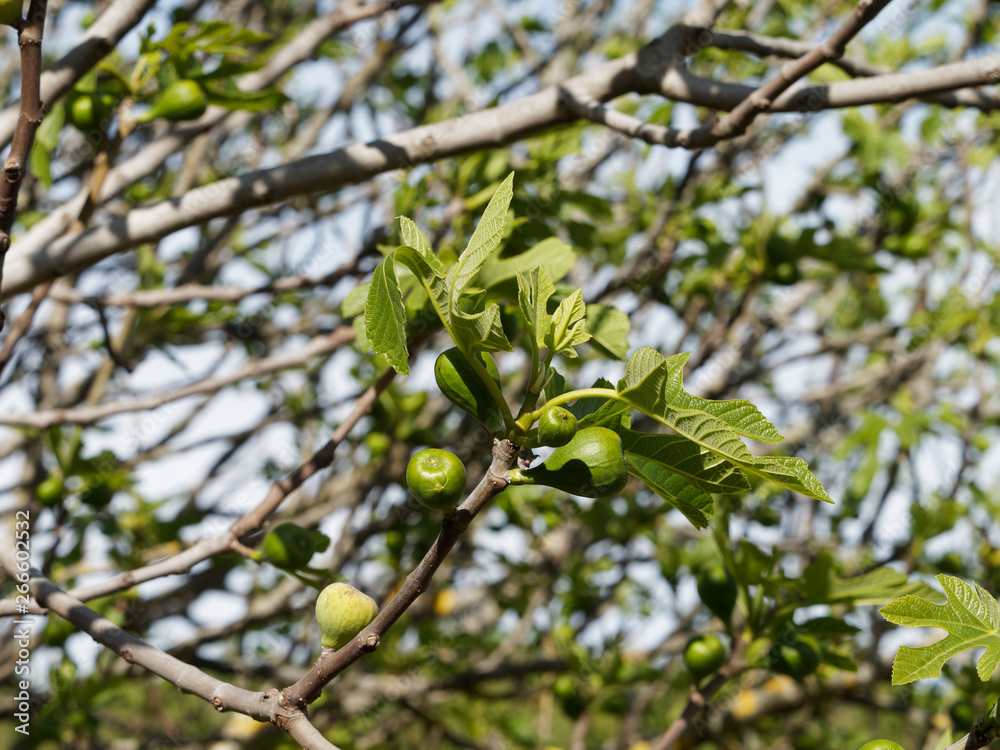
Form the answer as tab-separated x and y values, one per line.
568	327
608	328
971	618
653	384
533	291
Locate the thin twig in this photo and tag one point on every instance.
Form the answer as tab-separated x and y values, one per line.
134	650
29	37
23	322
90	414
739	119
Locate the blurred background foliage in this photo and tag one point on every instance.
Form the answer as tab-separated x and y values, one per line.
836	268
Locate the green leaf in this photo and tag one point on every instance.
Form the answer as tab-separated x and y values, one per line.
413	237
484	242
385	320
789	472
233	98
608	328
430	274
476	327
554	256
821	584
612	414
659	380
702	468
533	292
568	326
674	489
46	139
355	301
970	617
653	384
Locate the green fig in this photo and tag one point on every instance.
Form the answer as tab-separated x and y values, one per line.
705	655
556	427
436	478
182	100
288	546
50	490
591	464
342	612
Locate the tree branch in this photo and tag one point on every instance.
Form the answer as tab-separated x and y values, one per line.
29	37
223	696
182	562
90	414
654	69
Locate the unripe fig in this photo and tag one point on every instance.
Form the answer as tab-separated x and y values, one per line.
718	591
704	655
463	386
50	489
591	464
10	12
797	658
881	745
182	100
436	478
288	546
571	695
342	612
556	427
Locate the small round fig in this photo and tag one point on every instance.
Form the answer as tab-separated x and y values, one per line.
288	546
556	427
704	655
797	658
182	100
718	591
342	612
436	478
50	490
